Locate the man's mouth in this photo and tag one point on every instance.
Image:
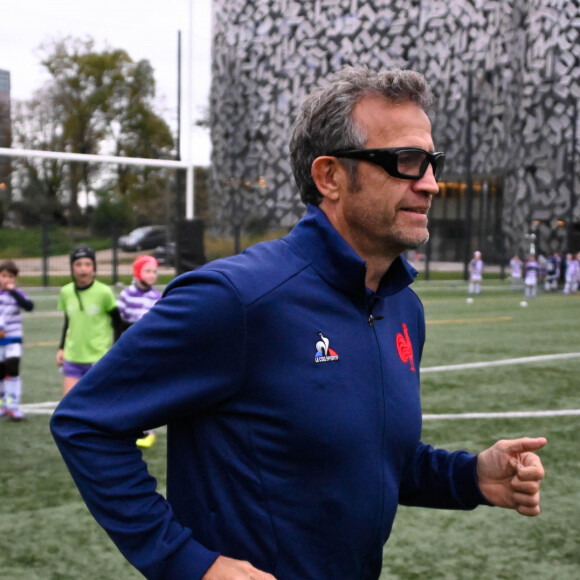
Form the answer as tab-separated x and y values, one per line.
419	210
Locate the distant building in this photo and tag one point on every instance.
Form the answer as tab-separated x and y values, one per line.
5	141
505	76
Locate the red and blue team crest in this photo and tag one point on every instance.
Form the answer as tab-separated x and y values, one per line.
323	351
405	348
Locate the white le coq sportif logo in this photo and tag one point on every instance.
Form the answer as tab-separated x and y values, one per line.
323	351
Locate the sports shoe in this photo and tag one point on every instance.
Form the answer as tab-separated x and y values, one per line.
15	414
4	413
147	441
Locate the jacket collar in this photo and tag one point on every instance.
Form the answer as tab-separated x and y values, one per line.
316	240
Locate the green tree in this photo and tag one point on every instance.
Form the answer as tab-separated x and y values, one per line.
40	181
97	102
5	162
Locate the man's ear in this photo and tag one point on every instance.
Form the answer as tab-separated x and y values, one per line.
329	175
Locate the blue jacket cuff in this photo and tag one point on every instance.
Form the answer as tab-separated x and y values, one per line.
190	562
466	483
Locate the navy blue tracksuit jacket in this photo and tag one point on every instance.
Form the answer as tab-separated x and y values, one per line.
291	395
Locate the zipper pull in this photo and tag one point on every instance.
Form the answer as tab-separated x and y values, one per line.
373	318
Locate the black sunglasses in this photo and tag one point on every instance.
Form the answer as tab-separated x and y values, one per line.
401	162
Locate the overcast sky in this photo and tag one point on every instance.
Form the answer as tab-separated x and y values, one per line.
146	29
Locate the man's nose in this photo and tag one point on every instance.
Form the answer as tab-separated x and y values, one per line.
427	184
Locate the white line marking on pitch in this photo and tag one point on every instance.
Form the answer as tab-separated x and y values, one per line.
48	407
498	363
507	415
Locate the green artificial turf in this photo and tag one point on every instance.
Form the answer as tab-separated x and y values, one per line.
46	531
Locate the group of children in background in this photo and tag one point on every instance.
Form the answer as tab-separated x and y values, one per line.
533	271
548	271
93	320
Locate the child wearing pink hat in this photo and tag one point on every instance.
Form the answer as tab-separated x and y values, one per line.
140	296
136	300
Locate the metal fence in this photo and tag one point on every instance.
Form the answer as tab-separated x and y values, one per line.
113	265
181	251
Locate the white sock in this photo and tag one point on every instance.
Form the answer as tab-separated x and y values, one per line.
13	392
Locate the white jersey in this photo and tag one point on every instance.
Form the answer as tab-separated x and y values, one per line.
516	268
572	270
476	268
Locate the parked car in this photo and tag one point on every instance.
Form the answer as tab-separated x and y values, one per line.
165	254
144	238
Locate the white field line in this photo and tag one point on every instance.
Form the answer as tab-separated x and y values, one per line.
48	407
502	362
39	408
507	415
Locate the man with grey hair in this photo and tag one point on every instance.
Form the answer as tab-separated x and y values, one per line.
288	375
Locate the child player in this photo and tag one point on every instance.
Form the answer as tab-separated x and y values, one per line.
12	301
571	274
475	273
135	301
91	318
531	272
516	271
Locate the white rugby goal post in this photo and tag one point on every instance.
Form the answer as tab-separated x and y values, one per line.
87	158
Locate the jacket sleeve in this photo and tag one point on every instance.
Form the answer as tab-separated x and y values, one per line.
119	326
437	478
23	301
167	366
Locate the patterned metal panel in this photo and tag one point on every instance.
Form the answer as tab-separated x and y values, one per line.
522	57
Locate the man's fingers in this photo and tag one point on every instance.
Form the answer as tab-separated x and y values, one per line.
525	487
527	499
527	466
528	511
526	496
533	472
526	444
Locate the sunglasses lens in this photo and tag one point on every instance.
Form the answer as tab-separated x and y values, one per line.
412	163
401	162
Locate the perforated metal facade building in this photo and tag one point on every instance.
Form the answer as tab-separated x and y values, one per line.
520	57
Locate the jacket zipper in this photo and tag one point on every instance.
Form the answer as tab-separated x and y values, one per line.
371	321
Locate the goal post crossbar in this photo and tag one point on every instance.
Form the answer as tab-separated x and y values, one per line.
88	158
9	152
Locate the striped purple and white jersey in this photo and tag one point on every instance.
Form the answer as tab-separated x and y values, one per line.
476	268
11	304
133	302
531	274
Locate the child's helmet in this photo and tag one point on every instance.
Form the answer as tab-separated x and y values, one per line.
83	251
140	263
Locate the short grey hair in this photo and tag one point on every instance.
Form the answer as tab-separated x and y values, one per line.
325	121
